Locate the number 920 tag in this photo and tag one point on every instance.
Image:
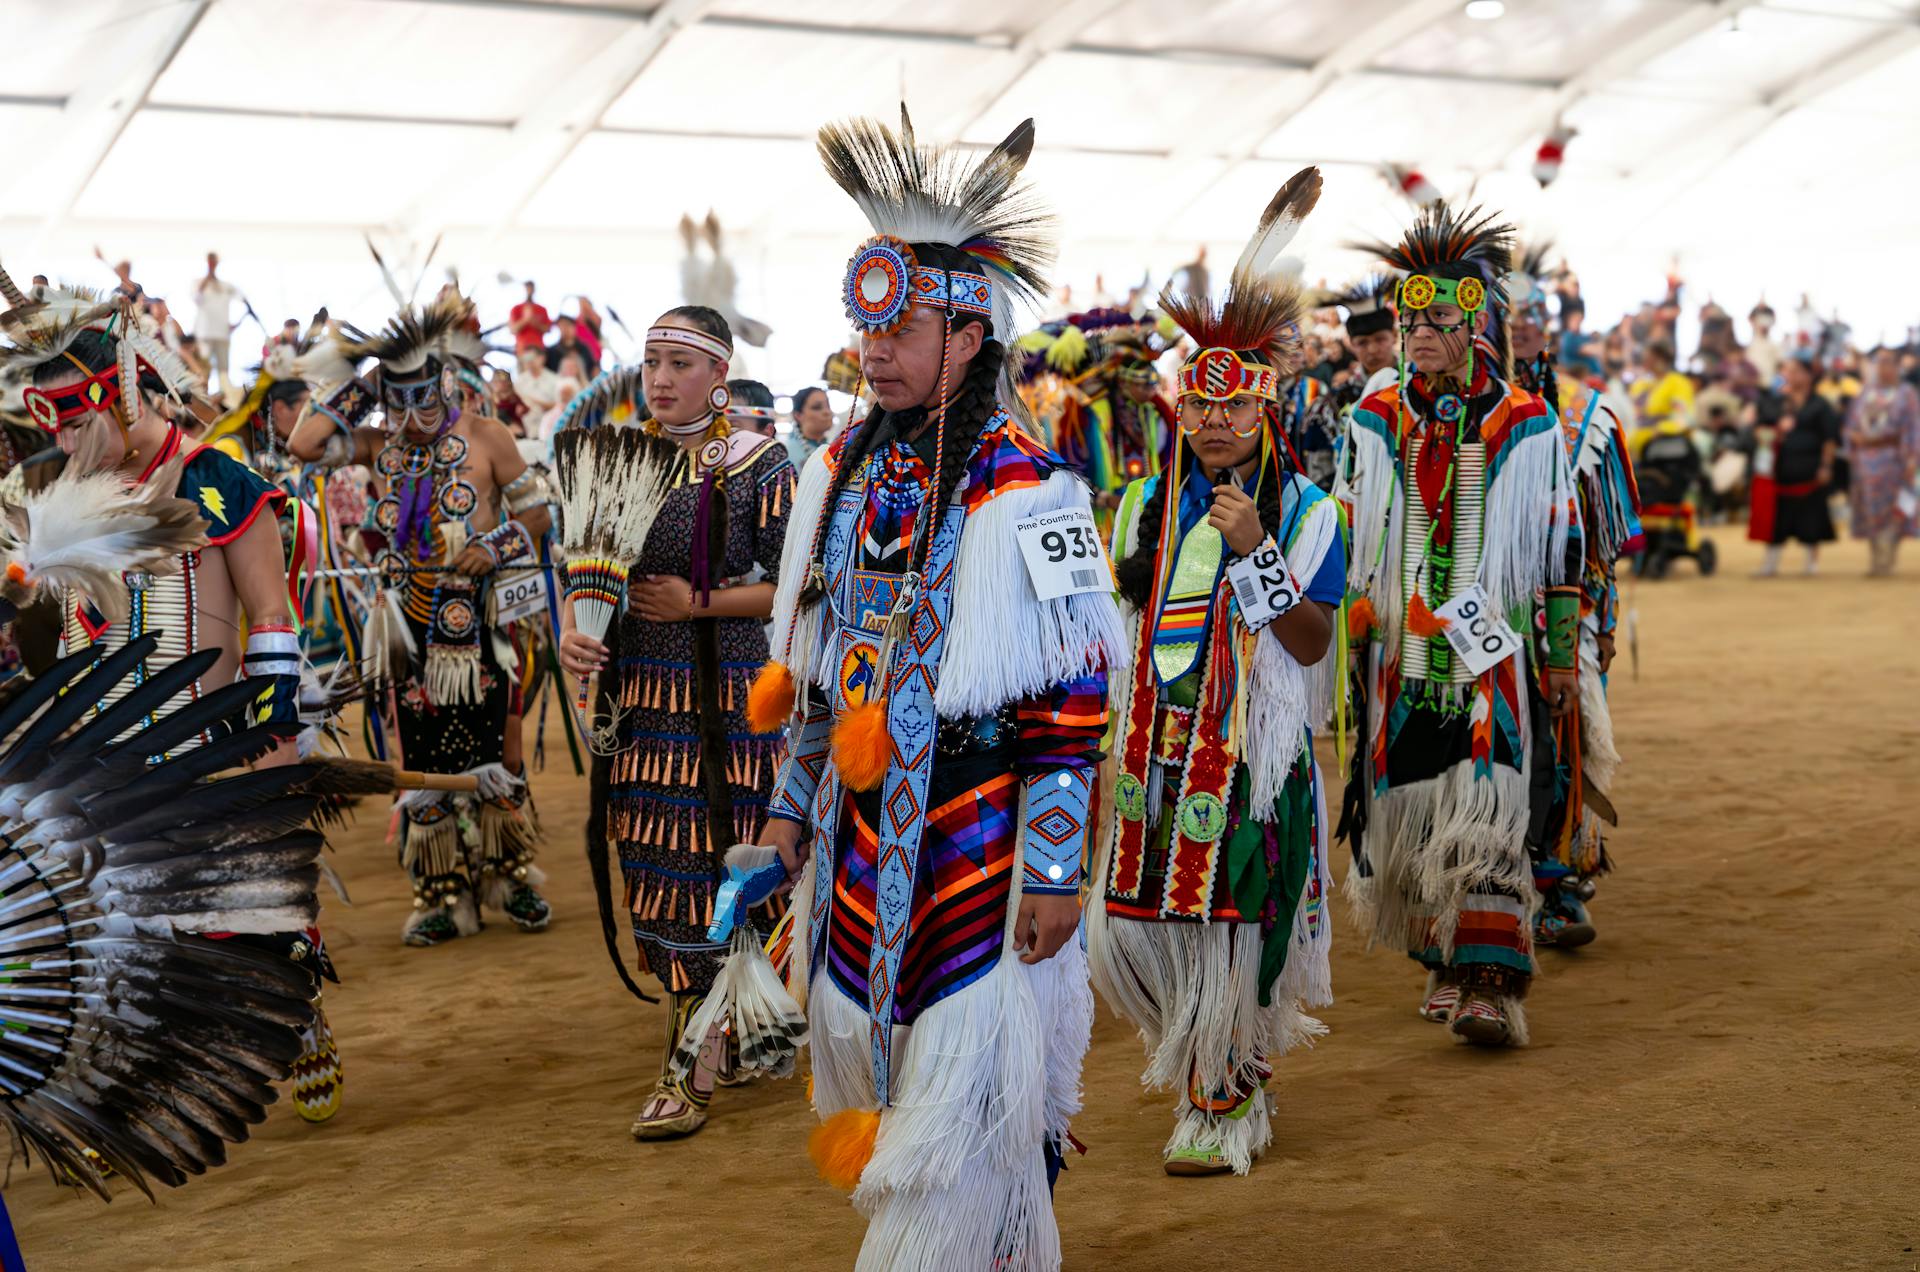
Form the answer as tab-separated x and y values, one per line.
1263	585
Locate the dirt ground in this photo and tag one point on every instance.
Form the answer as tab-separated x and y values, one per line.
1727	1079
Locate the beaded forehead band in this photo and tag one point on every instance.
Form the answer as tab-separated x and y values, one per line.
52	408
1220	375
714	347
1417	291
884	277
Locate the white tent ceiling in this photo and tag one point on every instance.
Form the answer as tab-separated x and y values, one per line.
1760	143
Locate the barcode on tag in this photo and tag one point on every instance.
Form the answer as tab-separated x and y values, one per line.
1086	578
1244	592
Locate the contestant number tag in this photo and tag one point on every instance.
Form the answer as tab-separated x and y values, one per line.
1263	585
520	596
1478	633
1064	554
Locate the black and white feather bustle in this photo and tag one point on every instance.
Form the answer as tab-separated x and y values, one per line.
128	1043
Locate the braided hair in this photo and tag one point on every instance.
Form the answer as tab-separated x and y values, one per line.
1134	572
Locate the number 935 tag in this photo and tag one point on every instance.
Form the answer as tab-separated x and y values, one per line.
1263	585
1064	554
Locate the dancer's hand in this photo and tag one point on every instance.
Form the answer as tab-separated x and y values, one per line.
1563	692
474	561
581	655
661	598
1046	922
785	835
1236	517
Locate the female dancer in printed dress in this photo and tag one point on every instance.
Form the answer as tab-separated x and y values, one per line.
684	651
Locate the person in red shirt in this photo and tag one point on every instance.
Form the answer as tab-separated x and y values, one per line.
529	320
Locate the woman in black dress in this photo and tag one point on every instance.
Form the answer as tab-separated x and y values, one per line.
1803	451
692	778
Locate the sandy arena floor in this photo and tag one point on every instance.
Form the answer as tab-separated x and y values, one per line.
1728	1079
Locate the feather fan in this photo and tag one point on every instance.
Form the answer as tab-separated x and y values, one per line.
613	483
83	531
134	1047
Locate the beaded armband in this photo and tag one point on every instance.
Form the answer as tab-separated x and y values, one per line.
1563	627
799	775
529	490
1056	831
507	543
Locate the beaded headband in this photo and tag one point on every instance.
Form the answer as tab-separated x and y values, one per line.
52	408
714	347
884	277
1417	291
1219	375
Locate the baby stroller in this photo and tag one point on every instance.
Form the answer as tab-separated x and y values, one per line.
1668	469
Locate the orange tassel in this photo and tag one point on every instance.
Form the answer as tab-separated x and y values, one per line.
861	746
770	698
1422	621
1360	619
842	1146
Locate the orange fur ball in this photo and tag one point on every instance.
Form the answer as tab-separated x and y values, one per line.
1360	619
770	698
862	747
1422	621
842	1146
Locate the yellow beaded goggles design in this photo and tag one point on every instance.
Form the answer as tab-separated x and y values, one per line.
1417	292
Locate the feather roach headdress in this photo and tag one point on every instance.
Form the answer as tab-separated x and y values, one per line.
1111	340
1261	313
44	329
914	193
412	337
133	1046
1448	246
1368	304
1459	258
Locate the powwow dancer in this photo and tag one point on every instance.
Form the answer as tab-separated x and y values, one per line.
1463	514
110	394
1576	754
1113	425
1207	928
942	749
1370	332
692	777
459	503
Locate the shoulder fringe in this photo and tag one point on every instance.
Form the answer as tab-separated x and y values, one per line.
1531	513
1002	644
796	635
1284	697
1370	492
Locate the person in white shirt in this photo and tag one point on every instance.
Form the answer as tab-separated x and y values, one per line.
213	321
